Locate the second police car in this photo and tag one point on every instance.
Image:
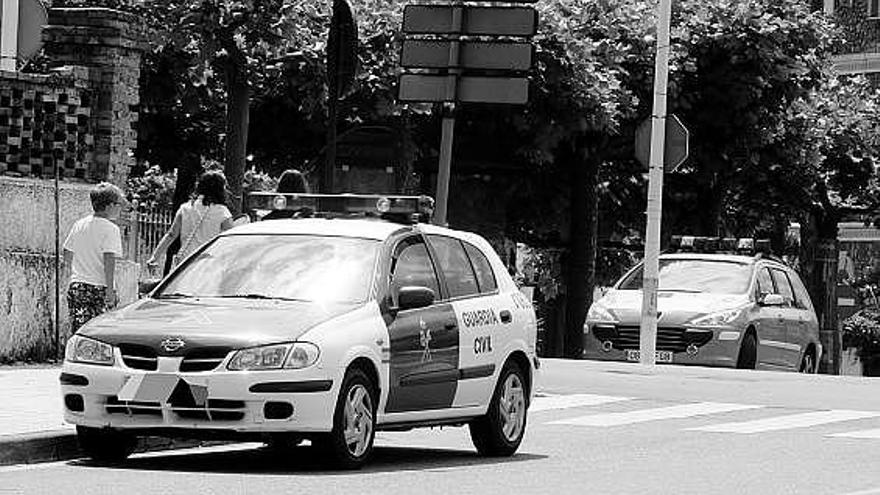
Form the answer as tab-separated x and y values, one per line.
326	328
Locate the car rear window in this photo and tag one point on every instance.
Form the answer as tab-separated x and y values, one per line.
696	275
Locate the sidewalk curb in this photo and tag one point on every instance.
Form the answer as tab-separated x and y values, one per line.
54	446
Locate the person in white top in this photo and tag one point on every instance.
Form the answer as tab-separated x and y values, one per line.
198	220
90	252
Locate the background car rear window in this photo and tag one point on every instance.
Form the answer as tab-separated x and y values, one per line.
454	263
483	269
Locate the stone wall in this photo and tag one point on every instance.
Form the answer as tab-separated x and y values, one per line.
27	265
81	119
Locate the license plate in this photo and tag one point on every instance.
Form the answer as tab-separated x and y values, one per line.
659	356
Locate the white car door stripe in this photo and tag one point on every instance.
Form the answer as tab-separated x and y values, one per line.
547	403
788	422
655	414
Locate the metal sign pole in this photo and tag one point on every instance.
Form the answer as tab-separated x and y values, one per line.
444	170
9	35
648	329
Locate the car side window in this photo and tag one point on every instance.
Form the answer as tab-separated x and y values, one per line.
764	283
413	267
485	276
460	278
800	291
783	285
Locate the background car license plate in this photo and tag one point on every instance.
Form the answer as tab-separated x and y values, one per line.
659	356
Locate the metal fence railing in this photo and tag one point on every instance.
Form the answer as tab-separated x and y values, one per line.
142	228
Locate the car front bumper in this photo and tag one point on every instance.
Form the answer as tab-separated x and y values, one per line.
715	352
243	402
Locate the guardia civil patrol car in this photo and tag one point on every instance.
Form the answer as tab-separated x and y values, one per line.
326	328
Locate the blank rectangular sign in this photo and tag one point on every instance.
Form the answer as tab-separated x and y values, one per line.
486	21
434	54
471	89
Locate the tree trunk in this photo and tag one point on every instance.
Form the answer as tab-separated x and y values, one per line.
581	266
819	251
238	96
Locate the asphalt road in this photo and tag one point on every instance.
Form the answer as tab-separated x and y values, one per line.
597	428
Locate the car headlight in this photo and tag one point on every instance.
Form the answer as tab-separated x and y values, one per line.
720	318
296	355
599	313
82	349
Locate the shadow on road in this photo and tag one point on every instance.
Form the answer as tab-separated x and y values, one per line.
304	460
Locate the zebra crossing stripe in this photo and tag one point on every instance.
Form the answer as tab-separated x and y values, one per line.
788	422
654	414
871	434
547	403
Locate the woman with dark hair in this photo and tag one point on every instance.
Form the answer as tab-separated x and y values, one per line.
292	181
198	220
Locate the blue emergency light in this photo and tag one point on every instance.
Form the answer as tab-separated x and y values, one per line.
410	209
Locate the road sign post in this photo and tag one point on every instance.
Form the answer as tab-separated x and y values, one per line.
651	280
445	53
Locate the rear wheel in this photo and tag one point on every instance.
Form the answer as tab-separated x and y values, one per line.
748	352
350	444
501	430
105	444
808	362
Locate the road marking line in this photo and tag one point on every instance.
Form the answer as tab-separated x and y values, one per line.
875	434
654	414
547	403
788	422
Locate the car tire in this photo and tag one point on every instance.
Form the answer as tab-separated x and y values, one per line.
350	444
105	445
748	352
501	430
808	363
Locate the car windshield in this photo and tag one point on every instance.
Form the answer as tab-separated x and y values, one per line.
294	267
695	275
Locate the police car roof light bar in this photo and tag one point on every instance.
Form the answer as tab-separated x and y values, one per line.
698	244
410	209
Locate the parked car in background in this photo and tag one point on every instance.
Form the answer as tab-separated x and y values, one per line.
717	306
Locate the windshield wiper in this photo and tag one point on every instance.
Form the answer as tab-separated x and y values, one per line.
174	295
259	296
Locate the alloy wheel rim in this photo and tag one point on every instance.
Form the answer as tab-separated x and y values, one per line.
358	420
808	364
512	408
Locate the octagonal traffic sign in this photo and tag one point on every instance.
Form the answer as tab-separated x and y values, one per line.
675	152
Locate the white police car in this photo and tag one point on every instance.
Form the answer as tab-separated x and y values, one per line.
326	328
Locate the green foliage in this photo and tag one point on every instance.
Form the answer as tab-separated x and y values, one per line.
153	189
862	331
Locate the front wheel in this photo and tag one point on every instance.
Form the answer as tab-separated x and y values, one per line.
501	430
105	445
748	352
808	363
350	443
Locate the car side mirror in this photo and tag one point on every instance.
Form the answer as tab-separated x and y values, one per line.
413	297
772	300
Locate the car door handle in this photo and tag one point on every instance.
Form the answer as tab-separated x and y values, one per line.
506	317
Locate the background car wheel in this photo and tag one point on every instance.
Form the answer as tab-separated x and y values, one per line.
748	352
105	444
808	362
350	444
501	430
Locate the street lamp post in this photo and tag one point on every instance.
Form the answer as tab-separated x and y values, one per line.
648	329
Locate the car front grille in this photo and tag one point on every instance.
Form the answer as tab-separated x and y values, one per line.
668	338
132	407
214	410
139	357
204	359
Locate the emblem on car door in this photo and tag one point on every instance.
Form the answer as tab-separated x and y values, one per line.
172	344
